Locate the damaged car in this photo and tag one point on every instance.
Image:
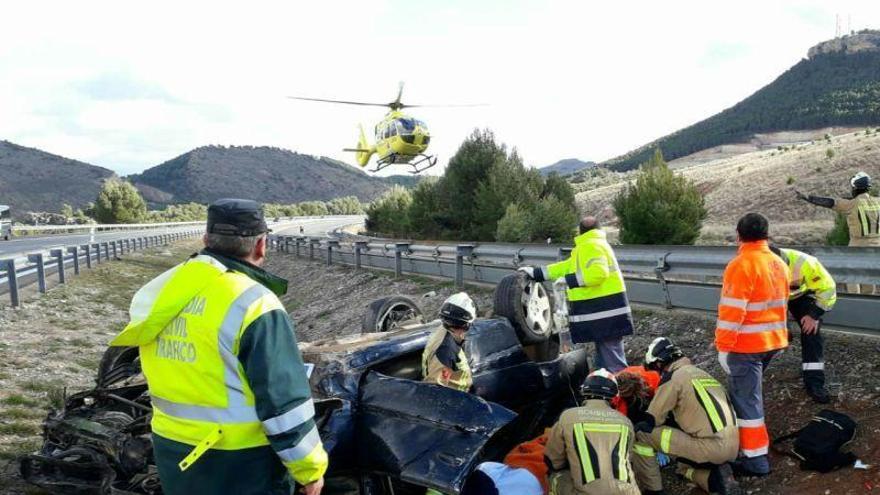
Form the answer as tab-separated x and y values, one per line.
385	430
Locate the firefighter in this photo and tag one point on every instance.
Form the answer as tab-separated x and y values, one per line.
689	418
862	216
598	307
813	293
444	360
232	407
589	448
750	331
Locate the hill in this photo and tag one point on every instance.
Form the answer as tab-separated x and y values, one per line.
270	175
567	166
34	180
837	85
762	181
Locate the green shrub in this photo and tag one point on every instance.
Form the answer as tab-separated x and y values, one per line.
790	180
660	207
119	202
829	153
390	213
839	234
514	226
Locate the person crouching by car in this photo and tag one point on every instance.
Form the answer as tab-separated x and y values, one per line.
444	361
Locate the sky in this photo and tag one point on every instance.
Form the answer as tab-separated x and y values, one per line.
129	85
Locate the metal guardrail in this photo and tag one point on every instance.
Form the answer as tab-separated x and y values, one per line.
15	275
673	277
95	227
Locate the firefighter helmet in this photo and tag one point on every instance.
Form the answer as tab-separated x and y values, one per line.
860	182
661	351
458	311
600	384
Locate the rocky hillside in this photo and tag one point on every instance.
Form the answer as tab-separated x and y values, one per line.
837	85
271	175
33	180
763	181
567	166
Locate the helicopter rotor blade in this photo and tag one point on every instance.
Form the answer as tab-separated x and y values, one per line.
343	102
463	105
399	95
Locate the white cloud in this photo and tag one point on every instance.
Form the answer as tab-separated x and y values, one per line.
130	85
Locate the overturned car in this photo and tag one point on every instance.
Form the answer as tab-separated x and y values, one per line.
385	430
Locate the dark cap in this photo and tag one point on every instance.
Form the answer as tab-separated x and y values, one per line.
241	217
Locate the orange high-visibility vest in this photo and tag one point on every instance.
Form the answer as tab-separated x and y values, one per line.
754	299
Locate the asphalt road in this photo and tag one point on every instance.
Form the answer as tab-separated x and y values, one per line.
18	247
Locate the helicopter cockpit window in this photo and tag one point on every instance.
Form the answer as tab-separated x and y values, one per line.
407	126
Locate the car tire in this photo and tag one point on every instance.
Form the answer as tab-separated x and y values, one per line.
527	305
118	363
387	313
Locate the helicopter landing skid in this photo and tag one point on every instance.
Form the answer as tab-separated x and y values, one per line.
431	160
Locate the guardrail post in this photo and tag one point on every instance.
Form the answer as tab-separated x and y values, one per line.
12	281
58	254
75	252
88	250
331	245
41	271
115	252
106	246
312	244
287	242
359	247
462	251
563	253
399	249
97	253
298	242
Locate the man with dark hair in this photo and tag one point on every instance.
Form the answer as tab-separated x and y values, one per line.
232	407
750	331
597	304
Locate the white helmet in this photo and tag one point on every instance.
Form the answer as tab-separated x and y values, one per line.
458	311
600	383
860	181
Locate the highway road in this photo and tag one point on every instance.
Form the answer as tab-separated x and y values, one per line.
18	247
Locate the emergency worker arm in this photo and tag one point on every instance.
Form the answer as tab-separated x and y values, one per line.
554	452
820	201
839	205
553	271
270	358
820	282
664	401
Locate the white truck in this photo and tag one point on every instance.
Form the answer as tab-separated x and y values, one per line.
5	222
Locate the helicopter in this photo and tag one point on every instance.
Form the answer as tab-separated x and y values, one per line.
399	138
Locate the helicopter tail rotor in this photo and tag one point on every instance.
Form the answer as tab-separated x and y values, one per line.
364	151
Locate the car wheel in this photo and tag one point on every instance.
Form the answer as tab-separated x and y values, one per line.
388	313
526	304
118	363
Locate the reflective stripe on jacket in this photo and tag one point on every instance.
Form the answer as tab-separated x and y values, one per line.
754	297
594	443
211	340
598	307
862	217
809	276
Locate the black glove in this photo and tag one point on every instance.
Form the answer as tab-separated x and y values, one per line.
647	425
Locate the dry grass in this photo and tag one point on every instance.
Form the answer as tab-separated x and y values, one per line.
765	181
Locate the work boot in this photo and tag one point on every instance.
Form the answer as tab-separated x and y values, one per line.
751	467
722	482
818	394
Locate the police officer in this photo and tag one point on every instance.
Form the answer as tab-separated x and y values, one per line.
705	430
232	408
813	292
588	450
862	216
444	361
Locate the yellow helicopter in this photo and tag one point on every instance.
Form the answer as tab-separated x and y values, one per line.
400	139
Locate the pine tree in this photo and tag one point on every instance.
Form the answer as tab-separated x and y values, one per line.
119	202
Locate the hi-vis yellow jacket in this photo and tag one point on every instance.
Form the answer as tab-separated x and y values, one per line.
222	364
809	277
598	306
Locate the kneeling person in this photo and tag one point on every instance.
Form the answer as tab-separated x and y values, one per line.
443	360
705	437
589	447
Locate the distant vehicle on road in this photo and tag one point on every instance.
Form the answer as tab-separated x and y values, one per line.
5	222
